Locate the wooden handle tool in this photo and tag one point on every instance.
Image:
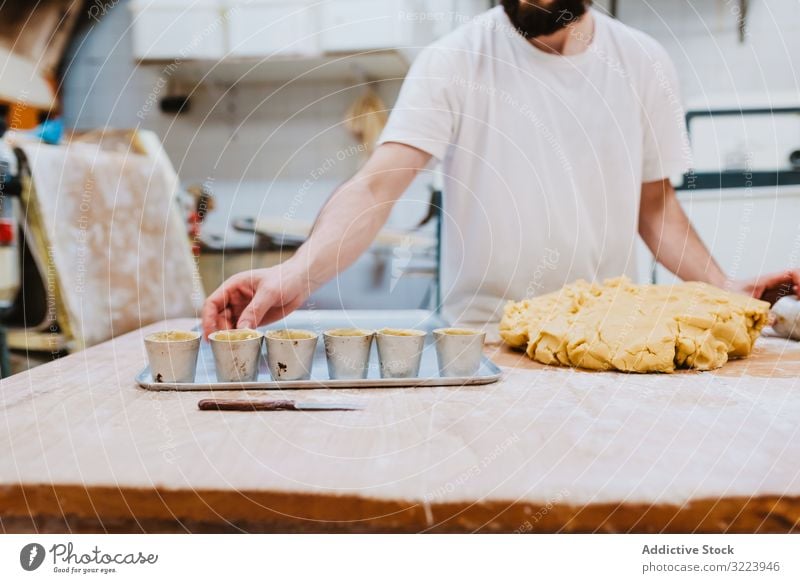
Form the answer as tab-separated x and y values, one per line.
273	405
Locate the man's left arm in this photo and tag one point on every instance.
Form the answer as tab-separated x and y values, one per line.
669	234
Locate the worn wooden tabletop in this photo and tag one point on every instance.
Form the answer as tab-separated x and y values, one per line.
544	450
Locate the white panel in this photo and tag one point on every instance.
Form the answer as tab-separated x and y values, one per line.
753	142
178	30
262	29
749	233
357	25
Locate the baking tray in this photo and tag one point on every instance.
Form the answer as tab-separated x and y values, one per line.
318	321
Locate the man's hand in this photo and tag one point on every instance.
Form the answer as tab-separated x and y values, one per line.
253	298
666	229
344	229
770	287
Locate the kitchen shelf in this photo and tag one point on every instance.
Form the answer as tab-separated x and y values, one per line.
374	65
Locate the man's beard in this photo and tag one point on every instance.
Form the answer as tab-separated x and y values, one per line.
534	18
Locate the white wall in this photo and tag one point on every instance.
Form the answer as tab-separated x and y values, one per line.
259	152
262	147
257	143
104	87
702	38
717	69
250	131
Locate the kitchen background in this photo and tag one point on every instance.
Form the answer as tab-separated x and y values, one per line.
249	99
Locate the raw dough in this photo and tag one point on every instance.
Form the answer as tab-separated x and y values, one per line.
635	328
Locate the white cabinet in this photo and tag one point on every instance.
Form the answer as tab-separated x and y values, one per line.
178	29
252	32
361	25
264	28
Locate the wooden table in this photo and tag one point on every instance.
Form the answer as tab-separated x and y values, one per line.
544	450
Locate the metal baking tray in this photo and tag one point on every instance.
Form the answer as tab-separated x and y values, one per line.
318	321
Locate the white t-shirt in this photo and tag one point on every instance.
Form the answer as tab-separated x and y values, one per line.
543	155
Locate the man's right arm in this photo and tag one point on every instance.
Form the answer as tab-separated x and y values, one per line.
344	229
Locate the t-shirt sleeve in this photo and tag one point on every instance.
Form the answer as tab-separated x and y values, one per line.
666	146
426	110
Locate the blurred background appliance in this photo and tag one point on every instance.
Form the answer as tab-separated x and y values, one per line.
743	195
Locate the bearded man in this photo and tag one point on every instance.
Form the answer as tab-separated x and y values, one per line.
557	128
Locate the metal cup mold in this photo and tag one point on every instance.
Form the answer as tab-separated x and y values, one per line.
172	355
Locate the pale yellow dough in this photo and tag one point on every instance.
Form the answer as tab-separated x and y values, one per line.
635	328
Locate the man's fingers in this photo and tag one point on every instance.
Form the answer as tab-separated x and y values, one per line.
795	275
246	301
774	279
216	313
227	319
773	286
264	298
212	309
208	318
